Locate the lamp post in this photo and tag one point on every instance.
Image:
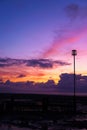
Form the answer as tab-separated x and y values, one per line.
74	53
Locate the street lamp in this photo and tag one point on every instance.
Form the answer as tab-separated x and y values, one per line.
74	53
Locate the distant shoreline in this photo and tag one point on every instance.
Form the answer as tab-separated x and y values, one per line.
44	93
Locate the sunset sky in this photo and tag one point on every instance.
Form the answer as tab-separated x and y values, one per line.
37	37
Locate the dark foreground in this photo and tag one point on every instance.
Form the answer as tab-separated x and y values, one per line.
42	112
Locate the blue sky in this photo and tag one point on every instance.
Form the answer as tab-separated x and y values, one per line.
28	26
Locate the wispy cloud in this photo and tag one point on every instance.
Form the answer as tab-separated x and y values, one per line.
41	63
74	11
21	76
59	42
5	62
69	32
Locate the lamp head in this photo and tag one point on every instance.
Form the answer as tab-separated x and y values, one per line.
74	52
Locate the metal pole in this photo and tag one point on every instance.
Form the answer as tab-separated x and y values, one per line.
74	53
74	88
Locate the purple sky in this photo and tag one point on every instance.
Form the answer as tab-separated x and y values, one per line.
28	27
37	36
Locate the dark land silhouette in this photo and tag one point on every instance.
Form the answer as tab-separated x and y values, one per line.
42	108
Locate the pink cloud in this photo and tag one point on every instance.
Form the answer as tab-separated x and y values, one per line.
58	43
70	33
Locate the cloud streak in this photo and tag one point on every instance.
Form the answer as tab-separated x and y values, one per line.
21	76
70	33
59	42
40	63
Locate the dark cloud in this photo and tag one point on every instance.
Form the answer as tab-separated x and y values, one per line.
3	65
42	63
45	63
61	63
74	11
1	80
5	62
66	83
21	76
28	87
